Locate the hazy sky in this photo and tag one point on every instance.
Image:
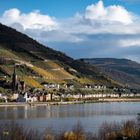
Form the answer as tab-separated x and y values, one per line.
80	28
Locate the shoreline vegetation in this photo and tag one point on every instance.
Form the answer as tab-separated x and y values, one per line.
127	130
100	100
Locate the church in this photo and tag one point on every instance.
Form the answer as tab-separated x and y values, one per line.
17	85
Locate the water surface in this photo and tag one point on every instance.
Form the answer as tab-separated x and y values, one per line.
63	117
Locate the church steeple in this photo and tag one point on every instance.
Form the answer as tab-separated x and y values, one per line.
14	73
14	80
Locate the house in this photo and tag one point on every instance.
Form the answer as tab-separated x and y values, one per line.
88	86
26	97
100	87
77	96
69	86
43	97
51	85
21	98
14	97
30	97
3	97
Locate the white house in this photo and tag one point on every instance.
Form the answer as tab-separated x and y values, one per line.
29	98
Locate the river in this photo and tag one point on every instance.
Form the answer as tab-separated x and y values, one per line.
64	117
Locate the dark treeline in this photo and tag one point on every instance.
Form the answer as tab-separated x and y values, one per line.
129	130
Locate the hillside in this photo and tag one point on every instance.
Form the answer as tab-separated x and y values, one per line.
124	71
37	64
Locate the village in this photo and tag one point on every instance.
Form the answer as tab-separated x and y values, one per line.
53	92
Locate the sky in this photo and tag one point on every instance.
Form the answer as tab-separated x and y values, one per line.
79	28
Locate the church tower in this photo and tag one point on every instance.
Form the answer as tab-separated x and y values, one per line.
14	80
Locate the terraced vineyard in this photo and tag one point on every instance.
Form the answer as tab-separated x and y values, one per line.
36	64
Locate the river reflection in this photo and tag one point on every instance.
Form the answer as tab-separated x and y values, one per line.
64	116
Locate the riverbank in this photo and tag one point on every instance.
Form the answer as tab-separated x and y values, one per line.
120	99
71	102
39	103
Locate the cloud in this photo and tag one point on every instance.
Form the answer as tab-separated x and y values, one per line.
130	43
114	13
100	31
100	19
39	26
59	36
32	20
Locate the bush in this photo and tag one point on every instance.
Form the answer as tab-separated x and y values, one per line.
14	131
113	131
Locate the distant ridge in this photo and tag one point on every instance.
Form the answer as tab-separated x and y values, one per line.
124	71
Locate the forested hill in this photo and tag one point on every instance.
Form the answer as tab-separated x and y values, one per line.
37	63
